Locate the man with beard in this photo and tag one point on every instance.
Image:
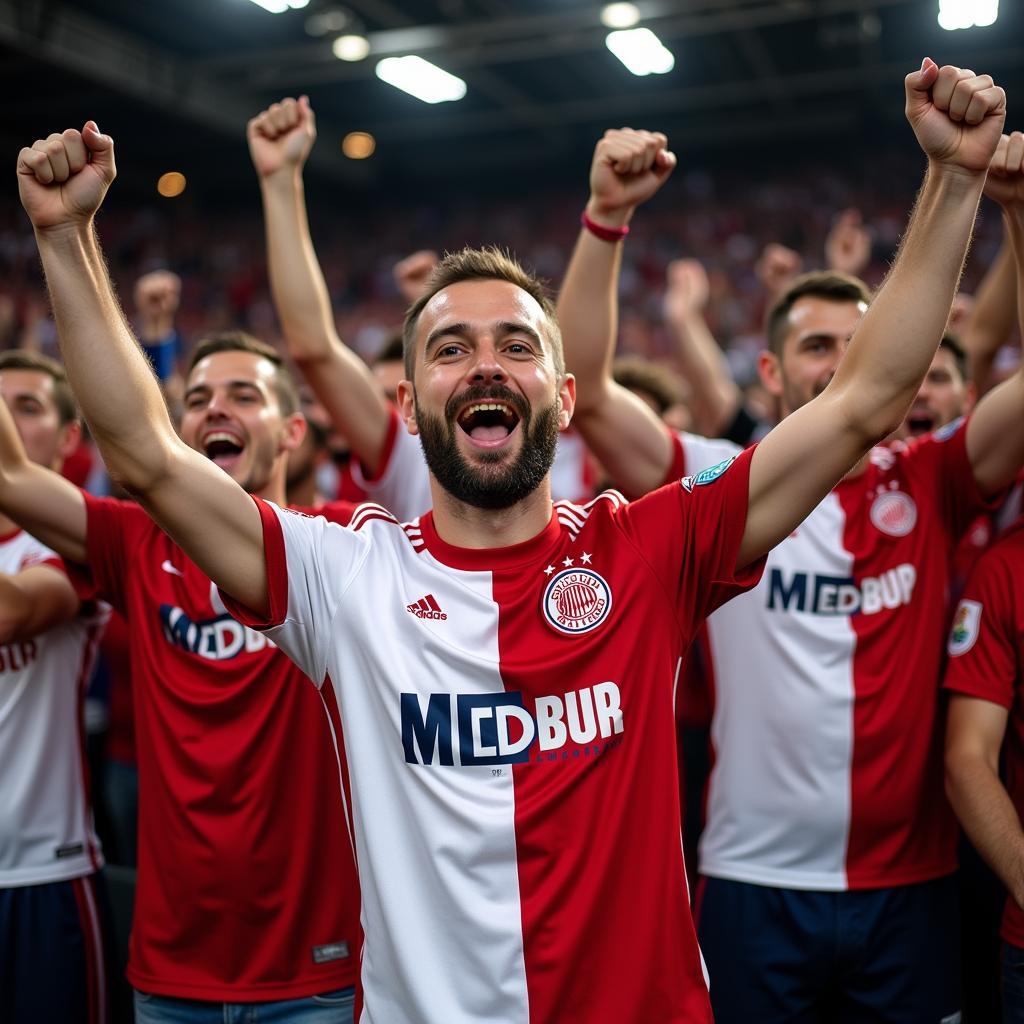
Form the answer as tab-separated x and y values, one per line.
388	461
825	812
247	893
504	668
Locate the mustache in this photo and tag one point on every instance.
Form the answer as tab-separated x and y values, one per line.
486	393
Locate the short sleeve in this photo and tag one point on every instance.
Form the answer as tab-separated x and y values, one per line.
111	529
402	482
983	641
690	533
310	564
943	457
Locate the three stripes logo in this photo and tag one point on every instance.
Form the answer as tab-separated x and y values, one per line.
426	608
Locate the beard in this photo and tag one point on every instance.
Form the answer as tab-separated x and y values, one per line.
497	480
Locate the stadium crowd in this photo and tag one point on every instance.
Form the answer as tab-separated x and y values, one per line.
424	750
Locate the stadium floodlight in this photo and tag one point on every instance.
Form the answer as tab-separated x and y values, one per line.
351	48
280	6
641	51
619	15
420	78
954	14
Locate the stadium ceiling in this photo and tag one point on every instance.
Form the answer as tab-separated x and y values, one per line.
541	83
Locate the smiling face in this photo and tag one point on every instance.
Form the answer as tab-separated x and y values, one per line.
233	416
29	395
942	397
487	397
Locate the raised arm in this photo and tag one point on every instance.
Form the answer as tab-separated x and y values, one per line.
280	139
621	430
995	438
957	117
38	499
33	601
62	181
715	398
995	312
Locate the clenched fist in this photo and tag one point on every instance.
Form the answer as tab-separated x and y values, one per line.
1005	181
411	273
63	178
281	137
628	168
956	115
687	290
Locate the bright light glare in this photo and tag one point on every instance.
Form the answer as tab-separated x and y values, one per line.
280	6
420	78
619	15
641	51
171	184
954	14
351	47
358	145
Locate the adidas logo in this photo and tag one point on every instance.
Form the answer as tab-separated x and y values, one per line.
426	608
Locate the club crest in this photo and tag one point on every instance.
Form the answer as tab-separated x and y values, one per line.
894	513
576	601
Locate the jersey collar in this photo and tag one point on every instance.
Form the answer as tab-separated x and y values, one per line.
488	559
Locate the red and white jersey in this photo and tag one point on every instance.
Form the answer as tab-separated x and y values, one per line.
402	482
46	826
828	754
508	721
986	655
246	882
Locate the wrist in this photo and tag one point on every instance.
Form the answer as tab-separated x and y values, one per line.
284	179
955	179
606	216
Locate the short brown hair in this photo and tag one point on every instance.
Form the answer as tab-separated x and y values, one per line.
487	264
63	399
241	341
831	285
642	375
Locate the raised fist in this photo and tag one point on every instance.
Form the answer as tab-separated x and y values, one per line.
956	115
411	273
777	267
848	245
1005	181
281	137
628	168
62	179
687	290
157	296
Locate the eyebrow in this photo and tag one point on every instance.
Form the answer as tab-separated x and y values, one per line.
502	328
231	384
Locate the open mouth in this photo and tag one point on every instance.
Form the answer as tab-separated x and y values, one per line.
920	422
222	448
488	424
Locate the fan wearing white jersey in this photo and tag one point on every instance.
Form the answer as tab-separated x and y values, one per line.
53	964
828	847
388	461
511	761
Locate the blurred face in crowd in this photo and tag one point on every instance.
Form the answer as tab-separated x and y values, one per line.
302	461
388	373
943	396
29	395
819	331
233	416
487	399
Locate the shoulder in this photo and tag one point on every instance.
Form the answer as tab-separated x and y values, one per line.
572	517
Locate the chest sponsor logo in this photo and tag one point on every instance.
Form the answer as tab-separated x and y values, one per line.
841	595
894	513
217	639
576	601
498	728
966	623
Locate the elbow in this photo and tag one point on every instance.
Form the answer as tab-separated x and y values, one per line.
141	470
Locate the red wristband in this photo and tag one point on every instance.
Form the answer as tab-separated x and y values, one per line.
604	233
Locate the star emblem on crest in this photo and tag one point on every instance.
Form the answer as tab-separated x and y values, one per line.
585	558
567	562
549	570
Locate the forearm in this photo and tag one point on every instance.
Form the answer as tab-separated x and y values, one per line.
715	397
33	602
988	816
588	313
112	380
995	308
893	346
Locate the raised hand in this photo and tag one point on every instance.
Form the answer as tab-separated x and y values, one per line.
687	290
1005	181
157	295
281	137
628	168
776	267
411	273
63	178
956	115
848	245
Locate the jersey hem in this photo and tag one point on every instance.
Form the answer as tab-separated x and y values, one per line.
221	993
832	882
79	868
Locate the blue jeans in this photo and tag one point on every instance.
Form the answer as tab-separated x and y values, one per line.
1013	984
329	1008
